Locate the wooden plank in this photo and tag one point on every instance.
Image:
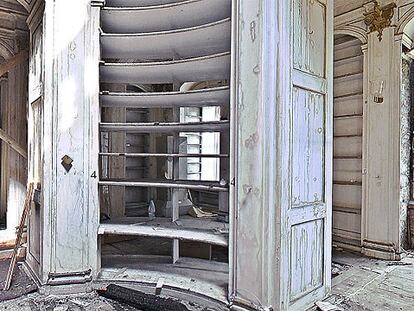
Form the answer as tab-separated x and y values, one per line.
341	44
351	165
27	205
348	147
347	196
347	176
348	65
348	170
349	222
348	126
141	300
348	105
13	143
347	52
13	62
349	84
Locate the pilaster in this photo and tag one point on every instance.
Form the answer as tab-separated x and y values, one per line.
254	274
381	216
71	86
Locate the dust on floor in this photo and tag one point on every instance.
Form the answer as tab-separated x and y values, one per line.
21	283
359	284
364	284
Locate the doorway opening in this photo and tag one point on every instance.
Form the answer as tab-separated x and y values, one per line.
14	69
165	143
348	143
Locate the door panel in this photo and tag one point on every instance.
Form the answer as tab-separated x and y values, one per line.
308	147
310	209
307	275
309	17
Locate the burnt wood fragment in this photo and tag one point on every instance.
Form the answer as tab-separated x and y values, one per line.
141	300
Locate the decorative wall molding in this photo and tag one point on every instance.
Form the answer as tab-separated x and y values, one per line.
378	18
353	30
36	15
13	29
352	23
405	14
27	4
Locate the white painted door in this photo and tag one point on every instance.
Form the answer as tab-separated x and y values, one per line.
310	136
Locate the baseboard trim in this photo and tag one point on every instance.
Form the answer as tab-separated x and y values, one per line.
380	250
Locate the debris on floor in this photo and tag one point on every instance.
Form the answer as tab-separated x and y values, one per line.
368	284
327	306
80	302
21	283
338	269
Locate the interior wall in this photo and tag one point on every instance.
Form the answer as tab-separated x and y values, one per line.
14	123
348	139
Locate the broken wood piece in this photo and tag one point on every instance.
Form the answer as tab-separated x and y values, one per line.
13	143
327	306
159	286
119	273
199	213
399	263
141	300
27	204
13	62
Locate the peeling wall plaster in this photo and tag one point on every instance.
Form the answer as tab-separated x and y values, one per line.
405	144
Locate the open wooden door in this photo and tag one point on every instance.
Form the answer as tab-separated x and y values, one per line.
310	140
281	226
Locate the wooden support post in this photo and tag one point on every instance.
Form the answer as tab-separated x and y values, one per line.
117	166
176	192
176	175
224	165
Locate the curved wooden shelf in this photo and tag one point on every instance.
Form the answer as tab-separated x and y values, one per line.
155	127
197	41
207	68
162	17
188	229
219	96
170	184
163	155
138	3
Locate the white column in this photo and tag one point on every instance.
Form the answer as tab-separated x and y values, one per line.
71	85
254	244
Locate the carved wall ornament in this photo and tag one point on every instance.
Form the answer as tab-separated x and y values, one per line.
379	18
